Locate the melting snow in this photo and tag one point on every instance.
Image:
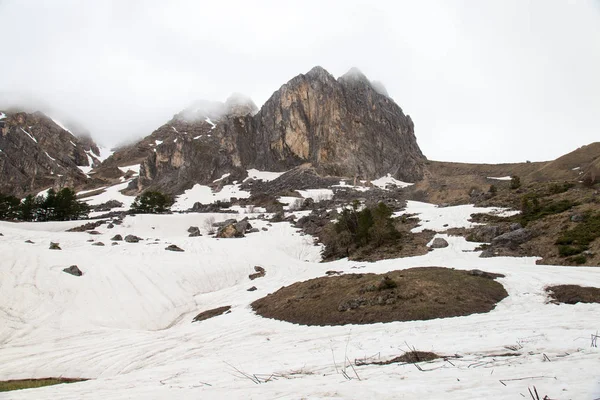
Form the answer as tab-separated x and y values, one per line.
112	193
61	126
53	159
210	122
316	194
263	175
222	177
174	129
105	152
158	142
500	178
73	143
205	195
135	168
2	115
383	182
29	134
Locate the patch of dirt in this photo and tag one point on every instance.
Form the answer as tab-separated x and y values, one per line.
413	294
212	313
411	357
573	294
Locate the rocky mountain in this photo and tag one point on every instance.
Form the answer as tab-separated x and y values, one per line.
37	152
342	127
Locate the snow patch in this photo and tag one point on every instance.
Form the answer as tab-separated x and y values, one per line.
158	142
500	178
210	122
204	195
135	168
222	177
29	134
265	176
61	126
384	181
53	159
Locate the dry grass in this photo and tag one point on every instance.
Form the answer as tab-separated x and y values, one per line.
18	384
573	294
413	294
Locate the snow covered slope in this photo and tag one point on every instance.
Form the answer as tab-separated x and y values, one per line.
126	323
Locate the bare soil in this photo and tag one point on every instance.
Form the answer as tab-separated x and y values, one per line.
18	384
413	294
573	294
212	313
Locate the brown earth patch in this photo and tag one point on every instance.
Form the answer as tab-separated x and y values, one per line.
413	294
18	384
573	294
212	313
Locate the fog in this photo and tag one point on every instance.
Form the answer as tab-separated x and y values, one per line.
493	81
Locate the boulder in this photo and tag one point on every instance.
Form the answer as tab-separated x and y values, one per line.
117	238
98	244
73	270
260	272
439	243
252	289
484	233
94	233
229	231
194	231
515	226
577	218
28	241
173	247
132	239
54	246
512	239
110	226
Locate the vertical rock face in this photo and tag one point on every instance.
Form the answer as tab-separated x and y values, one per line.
344	127
36	153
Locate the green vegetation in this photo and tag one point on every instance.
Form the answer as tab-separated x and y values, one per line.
557	188
371	226
152	202
577	240
6	386
56	206
533	209
515	182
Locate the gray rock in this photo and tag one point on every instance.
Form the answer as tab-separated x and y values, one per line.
29	241
264	229
173	247
577	218
252	289
224	223
512	239
439	243
484	274
54	246
114	243
73	270
98	244
110	226
132	239
487	253
260	272
117	238
94	233
253	230
484	233
515	226
194	231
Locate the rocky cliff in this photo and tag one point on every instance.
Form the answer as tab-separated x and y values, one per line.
37	153
345	127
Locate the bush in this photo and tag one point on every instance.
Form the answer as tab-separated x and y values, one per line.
152	202
532	209
515	182
578	239
557	188
9	207
371	226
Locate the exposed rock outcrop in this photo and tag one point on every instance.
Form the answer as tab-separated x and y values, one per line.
345	127
37	153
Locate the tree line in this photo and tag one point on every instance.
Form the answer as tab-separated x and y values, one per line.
55	206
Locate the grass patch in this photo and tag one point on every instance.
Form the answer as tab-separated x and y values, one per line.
573	294
412	294
532	209
578	239
212	313
18	384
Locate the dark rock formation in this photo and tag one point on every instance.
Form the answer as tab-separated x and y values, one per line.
345	127
73	270
173	247
54	246
131	239
36	153
439	243
260	272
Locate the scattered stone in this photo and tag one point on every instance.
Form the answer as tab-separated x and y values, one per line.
253	230
1	234
115	243
260	272
439	243
515	226
173	247
252	289
484	234
94	233
264	229
98	244
224	223
110	226
194	231
331	272
29	241
117	237
54	246
87	227
488	253
132	239
117	221
512	239
577	218
90	240
73	270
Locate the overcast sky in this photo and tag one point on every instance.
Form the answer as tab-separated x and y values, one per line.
484	81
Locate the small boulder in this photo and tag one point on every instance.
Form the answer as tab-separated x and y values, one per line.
73	270
98	244
439	243
515	226
173	247
260	272
252	289
484	274
229	231
484	234
194	231
110	226
264	229
512	239
117	238
577	217
28	241
132	239
54	246
253	230
114	243
94	233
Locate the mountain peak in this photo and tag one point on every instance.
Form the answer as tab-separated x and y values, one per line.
238	104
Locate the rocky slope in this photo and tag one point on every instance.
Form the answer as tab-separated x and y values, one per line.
345	127
37	153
